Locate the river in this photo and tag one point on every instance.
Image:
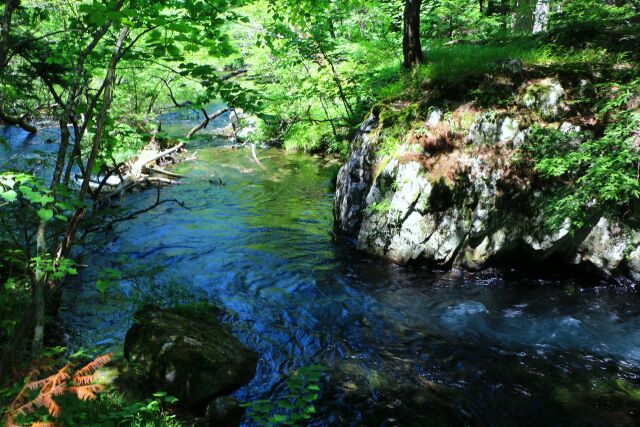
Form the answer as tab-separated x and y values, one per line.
403	346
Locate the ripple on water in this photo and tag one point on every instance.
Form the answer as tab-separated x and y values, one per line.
404	346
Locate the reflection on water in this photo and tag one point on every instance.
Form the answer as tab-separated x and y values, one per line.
404	346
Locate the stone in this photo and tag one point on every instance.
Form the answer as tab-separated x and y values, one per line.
634	264
354	180
435	116
492	128
224	411
544	97
187	353
401	209
510	66
604	247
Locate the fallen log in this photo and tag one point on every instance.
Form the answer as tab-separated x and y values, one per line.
150	170
207	120
149	157
17	121
160	180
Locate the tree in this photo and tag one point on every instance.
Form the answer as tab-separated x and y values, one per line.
82	57
411	45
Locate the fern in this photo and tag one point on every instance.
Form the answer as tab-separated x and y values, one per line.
81	384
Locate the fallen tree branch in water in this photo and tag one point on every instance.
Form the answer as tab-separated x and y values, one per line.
150	170
263	167
17	121
207	120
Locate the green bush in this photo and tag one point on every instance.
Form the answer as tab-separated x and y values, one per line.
594	177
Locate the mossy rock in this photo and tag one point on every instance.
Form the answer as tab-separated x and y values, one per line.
544	97
185	352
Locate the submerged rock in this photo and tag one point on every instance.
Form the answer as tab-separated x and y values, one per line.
187	353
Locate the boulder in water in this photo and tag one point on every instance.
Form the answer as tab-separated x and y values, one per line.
224	411
187	353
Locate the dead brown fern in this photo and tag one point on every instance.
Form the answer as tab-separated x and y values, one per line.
81	383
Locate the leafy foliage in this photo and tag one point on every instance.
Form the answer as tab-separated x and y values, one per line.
599	175
296	405
42	393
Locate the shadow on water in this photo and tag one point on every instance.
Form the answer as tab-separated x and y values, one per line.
403	346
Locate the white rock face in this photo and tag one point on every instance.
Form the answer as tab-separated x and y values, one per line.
492	128
399	210
355	180
604	247
634	264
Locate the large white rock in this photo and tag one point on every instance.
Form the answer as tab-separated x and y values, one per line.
544	97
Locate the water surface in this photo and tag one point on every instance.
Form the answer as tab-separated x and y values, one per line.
403	346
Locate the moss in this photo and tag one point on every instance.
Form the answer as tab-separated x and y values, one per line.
400	113
382	207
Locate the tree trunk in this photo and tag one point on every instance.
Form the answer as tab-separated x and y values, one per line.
9	7
67	242
411	45
541	16
38	290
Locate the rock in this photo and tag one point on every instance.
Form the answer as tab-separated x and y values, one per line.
604	247
492	128
468	207
434	117
187	353
634	264
224	411
354	179
510	66
544	97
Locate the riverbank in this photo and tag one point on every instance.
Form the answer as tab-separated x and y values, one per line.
511	162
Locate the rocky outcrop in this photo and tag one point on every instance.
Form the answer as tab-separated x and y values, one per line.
464	203
355	179
185	352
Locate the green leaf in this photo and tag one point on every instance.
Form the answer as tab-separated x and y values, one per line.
171	399
102	285
46	199
9	196
45	214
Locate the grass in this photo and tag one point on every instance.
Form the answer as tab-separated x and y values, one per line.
450	65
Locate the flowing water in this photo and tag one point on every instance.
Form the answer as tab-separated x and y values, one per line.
402	346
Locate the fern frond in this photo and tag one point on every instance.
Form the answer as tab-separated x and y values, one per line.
34	385
87	392
21	396
90	367
52	407
9	422
84	380
80	384
29	406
